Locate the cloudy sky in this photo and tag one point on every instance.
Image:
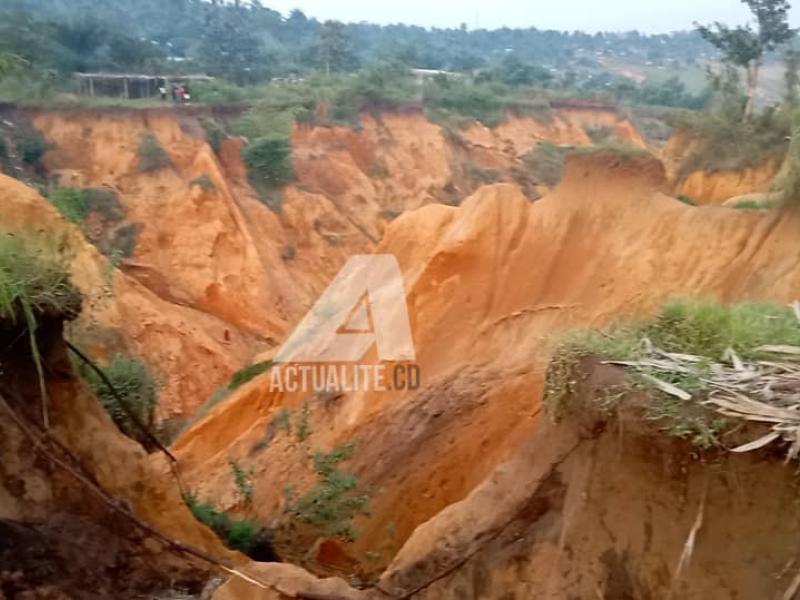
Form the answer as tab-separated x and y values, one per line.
586	15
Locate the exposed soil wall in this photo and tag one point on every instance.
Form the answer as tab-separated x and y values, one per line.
611	507
489	289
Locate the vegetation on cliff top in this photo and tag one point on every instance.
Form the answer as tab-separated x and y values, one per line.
698	360
33	281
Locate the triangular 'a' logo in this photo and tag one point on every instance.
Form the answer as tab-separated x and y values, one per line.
365	305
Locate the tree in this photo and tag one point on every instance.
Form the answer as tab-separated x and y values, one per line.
745	47
334	51
792	77
231	47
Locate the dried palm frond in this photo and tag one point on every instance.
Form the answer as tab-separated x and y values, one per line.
760	391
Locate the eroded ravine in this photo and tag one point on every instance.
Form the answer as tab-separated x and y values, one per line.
489	285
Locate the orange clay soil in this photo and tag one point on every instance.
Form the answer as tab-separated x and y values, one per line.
206	246
714	187
490	284
596	505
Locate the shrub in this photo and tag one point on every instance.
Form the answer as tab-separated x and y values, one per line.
303	428
134	384
215	133
243	480
269	165
289	251
687	200
238	534
105	202
71	202
390	214
30	145
335	500
545	163
481	102
601	133
204	181
152	156
381	84
218	91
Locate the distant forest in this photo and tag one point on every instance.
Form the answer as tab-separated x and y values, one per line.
246	42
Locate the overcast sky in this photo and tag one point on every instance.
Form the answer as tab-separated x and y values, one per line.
586	15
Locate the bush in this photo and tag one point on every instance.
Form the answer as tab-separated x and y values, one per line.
269	165
481	102
152	156
238	534
71	202
687	200
204	181
215	133
30	145
335	500
243	481
383	84
134	384
218	91
600	134
105	202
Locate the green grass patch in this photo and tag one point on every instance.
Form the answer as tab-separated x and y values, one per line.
753	205
71	202
33	281
238	379
703	328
